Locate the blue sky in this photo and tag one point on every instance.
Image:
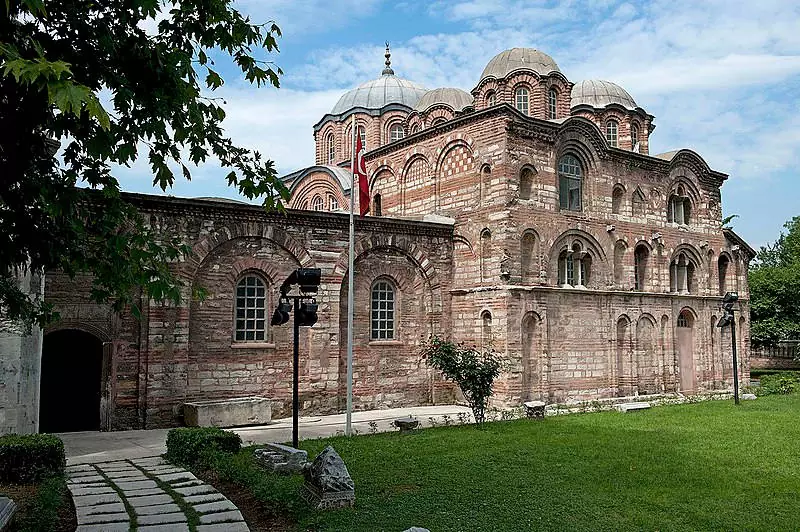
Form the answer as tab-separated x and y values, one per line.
722	77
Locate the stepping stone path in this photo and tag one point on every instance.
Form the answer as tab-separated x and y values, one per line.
149	495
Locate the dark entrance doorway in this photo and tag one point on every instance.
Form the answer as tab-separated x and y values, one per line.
72	364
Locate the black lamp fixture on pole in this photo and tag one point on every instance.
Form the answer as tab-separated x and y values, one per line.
305	315
728	301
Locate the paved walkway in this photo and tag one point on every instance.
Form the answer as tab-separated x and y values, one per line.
150	494
94	447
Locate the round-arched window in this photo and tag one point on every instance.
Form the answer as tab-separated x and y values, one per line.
330	148
396	132
569	177
635	138
491	98
612	132
251	302
522	99
552	104
382	309
317	203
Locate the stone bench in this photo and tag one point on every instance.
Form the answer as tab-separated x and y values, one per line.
236	412
534	409
281	458
628	407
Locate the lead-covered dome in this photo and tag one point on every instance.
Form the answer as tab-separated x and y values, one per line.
599	93
378	93
456	99
508	61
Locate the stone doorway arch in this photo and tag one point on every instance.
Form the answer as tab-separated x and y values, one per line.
71	382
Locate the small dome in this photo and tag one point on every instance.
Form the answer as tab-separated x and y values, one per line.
508	61
378	93
452	97
599	93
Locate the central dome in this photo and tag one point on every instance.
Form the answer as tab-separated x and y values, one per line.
508	61
378	93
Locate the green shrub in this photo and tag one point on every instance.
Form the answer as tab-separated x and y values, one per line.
779	383
192	445
30	457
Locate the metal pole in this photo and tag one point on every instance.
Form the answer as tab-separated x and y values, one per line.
295	384
735	363
347	426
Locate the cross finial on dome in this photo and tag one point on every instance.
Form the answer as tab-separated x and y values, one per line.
387	71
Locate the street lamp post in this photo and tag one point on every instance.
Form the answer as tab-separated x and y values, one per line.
728	318
305	315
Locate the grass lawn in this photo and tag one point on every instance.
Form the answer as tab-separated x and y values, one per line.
41	507
706	466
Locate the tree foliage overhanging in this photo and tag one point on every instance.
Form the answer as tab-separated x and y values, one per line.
56	58
774	281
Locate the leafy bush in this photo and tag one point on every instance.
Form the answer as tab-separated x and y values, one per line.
30	457
779	383
193	445
472	370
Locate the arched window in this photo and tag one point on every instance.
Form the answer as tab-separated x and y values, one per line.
722	269
383	311
612	129
251	302
486	254
640	256
680	207
438	120
486	179
619	264
528	256
684	320
376	205
681	274
521	100
486	330
574	267
330	148
552	104
491	98
569	177
332	203
616	199
362	132
415	128
525	183
635	138
638	203
396	132
317	203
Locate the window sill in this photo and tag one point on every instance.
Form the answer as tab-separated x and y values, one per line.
252	345
385	342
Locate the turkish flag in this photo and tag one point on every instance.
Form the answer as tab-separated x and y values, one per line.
361	173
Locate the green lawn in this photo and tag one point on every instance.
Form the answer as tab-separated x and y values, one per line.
706	466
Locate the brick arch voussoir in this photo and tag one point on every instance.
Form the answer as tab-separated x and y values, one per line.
418	257
278	235
68	324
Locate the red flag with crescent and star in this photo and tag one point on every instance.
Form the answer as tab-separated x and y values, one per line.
361	173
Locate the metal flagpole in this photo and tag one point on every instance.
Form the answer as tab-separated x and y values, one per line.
347	427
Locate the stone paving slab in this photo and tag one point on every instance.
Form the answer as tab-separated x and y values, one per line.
195	490
224	527
104	493
171	527
206	497
106	527
110	508
217	506
104	518
221	517
160	519
158	509
150	500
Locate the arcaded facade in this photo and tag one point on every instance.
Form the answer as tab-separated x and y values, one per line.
526	215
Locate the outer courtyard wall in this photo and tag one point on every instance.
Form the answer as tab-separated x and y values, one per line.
182	353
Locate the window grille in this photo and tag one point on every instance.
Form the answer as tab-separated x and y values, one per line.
383	311
251	300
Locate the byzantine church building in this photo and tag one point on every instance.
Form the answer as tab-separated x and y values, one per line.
525	215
